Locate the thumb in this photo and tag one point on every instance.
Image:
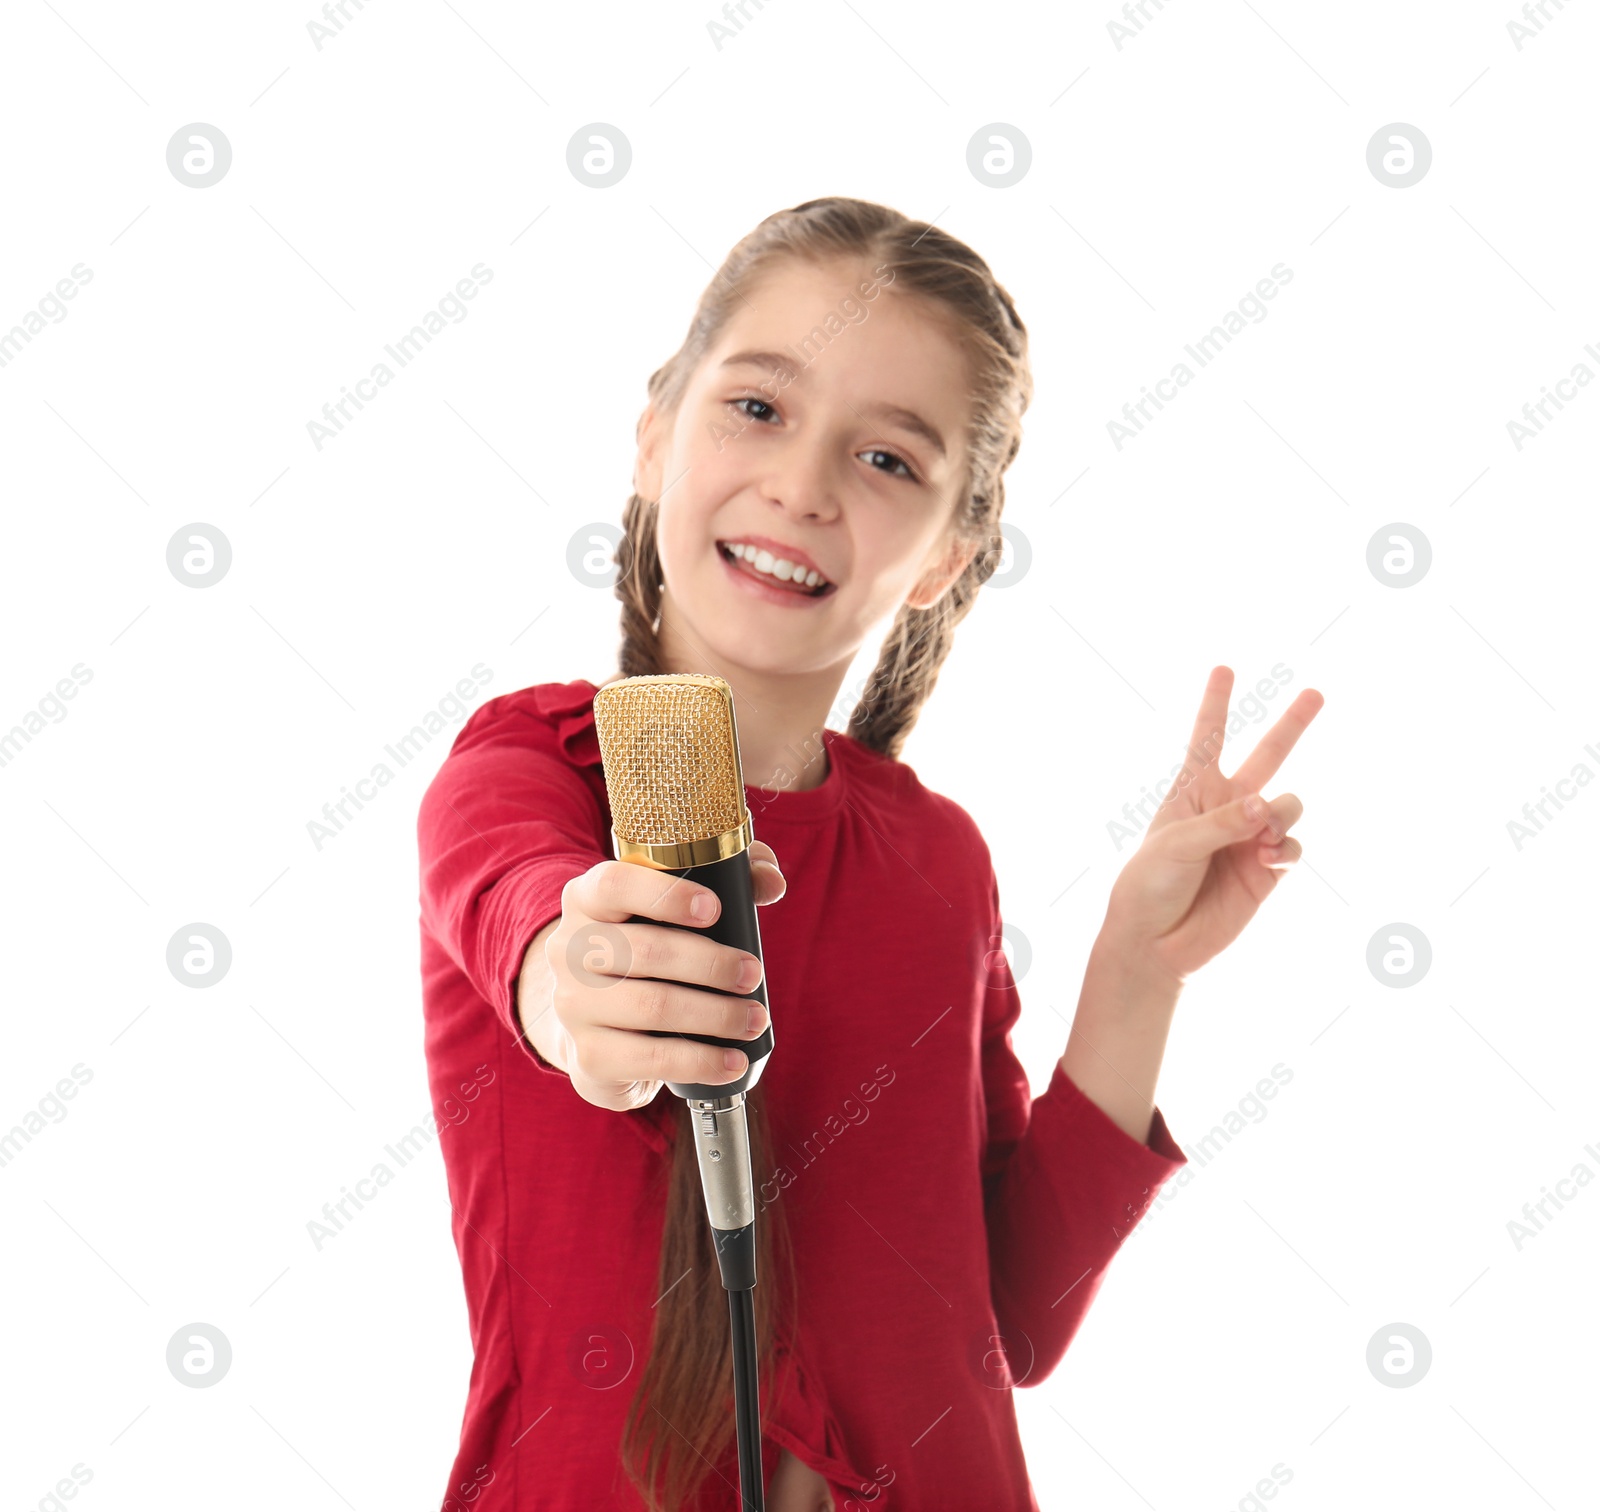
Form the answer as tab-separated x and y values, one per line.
1198	838
768	879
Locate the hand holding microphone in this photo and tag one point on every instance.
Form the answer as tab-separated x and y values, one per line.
615	983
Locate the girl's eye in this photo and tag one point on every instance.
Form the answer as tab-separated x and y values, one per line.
751	399
878	451
769	413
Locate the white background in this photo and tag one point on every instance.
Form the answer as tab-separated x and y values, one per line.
368	577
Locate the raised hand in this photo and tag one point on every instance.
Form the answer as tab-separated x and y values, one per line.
1215	848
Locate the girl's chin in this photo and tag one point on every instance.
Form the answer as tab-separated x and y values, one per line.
757	642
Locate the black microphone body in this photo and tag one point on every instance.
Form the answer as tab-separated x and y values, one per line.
730	879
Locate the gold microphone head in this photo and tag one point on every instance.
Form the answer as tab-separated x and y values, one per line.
673	777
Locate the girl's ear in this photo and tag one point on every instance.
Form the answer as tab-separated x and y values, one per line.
647	465
932	586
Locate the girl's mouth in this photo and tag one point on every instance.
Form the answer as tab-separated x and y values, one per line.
765	584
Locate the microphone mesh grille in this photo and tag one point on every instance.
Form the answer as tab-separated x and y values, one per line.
671	756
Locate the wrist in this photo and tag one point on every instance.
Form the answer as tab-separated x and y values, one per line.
535	996
1119	1034
1129	976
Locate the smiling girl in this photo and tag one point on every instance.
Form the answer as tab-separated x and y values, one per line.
823	457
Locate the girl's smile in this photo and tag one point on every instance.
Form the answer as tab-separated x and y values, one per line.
746	571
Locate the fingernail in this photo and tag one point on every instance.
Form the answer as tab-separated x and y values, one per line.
749	974
756	1020
733	1060
704	905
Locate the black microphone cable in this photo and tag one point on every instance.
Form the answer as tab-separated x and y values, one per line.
747	1398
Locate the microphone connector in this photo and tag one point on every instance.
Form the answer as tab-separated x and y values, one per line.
722	1144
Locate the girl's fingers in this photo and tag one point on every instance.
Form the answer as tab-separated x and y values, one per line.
612	892
765	873
1282	813
1211	723
1283	854
1259	767
1230	823
1197	838
618	1057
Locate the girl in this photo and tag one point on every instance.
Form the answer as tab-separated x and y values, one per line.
823	454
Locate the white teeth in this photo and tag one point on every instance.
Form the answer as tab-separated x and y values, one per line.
781	567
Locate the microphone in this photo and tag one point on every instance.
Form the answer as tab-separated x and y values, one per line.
670	751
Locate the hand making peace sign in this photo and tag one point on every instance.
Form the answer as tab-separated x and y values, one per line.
1207	861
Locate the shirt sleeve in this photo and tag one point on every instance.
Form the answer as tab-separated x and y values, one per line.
505	824
1063	1185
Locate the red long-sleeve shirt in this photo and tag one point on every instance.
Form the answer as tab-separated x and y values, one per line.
933	1204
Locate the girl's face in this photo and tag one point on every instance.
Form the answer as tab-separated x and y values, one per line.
842	449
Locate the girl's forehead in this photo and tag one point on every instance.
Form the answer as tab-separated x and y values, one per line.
893	339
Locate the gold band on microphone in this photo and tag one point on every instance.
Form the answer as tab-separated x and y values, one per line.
674	857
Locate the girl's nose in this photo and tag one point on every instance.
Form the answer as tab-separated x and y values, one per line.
804	483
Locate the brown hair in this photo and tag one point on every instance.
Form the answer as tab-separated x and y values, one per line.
680	1423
